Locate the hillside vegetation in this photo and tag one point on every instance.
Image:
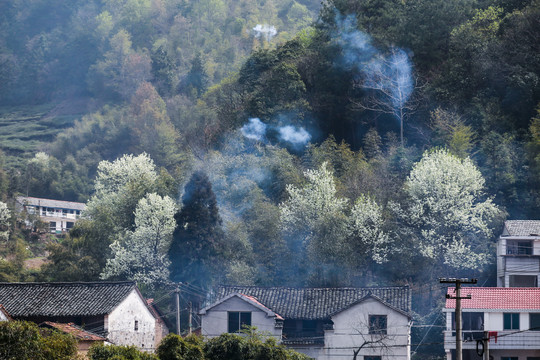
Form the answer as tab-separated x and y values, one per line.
272	142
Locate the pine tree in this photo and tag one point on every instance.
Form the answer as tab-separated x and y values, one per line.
198	238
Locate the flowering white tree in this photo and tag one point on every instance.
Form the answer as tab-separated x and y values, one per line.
142	254
328	227
4	221
314	213
366	229
119	186
447	210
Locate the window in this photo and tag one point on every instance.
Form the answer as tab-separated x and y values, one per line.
511	321
519	247
470	321
136	325
372	358
509	358
69	225
534	322
52	226
377	324
523	280
237	320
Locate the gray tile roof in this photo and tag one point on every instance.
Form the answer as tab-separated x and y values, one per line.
522	227
58	204
318	303
63	299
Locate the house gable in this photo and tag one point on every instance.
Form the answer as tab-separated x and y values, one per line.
132	323
215	318
352	329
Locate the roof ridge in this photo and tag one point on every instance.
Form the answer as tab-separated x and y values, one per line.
49	283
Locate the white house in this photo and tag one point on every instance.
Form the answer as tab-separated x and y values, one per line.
60	215
518	254
323	323
114	310
510	315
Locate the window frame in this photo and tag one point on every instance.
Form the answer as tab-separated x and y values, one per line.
519	247
511	319
536	320
240	320
377	324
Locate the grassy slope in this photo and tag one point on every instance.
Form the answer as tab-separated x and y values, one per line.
26	129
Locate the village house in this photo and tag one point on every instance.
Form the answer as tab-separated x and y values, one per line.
518	254
511	316
59	215
323	323
115	311
84	338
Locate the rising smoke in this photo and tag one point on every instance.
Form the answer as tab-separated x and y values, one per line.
296	137
265	31
390	73
255	129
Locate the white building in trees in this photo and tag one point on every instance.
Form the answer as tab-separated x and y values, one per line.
60	215
518	254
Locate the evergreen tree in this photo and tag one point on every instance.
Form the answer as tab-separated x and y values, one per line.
196	81
197	240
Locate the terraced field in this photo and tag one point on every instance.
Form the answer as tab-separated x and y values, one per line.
27	129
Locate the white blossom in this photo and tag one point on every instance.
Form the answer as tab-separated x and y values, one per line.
142	254
5	214
446	203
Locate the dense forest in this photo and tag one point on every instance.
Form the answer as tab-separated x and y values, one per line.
269	142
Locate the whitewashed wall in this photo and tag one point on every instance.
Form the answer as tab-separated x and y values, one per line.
120	324
351	330
215	321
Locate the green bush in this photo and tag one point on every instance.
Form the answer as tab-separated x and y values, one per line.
114	352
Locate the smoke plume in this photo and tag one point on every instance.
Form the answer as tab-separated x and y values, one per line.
295	136
389	73
255	129
265	31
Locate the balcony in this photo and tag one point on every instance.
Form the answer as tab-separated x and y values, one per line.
507	339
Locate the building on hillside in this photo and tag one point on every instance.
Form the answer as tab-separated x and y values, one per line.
60	215
510	315
114	310
518	254
323	323
84	338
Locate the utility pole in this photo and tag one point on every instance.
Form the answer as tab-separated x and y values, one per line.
458	299
486	345
190	306
177	292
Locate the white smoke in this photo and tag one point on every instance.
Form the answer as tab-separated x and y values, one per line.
254	130
295	136
266	31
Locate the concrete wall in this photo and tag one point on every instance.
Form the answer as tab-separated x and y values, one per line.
120	324
518	265
351	330
215	321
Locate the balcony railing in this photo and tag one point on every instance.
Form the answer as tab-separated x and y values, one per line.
507	339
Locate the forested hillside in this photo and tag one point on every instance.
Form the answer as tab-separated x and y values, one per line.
271	142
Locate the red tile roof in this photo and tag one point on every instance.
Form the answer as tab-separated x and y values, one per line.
77	332
254	299
496	298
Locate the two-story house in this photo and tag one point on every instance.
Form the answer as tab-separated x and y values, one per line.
510	315
114	310
518	254
323	323
60	215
